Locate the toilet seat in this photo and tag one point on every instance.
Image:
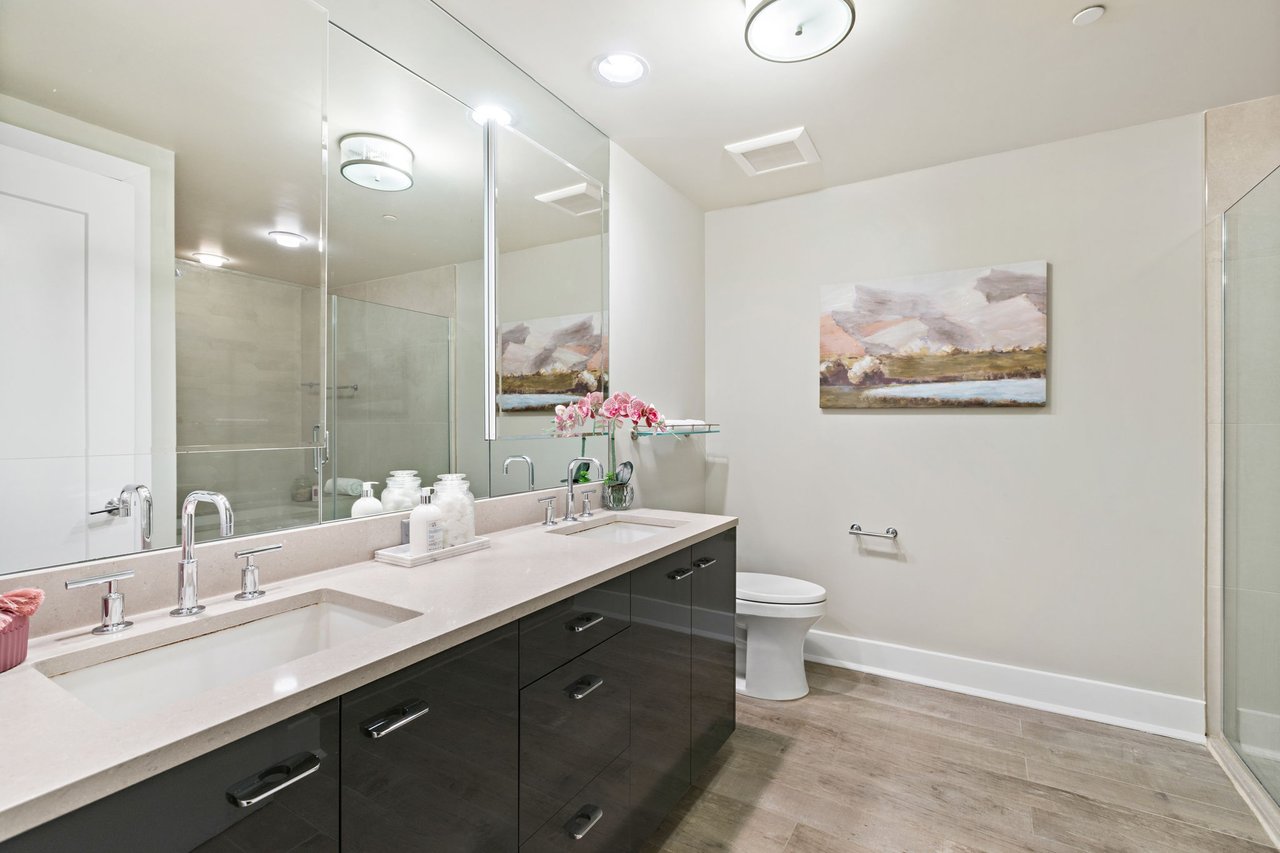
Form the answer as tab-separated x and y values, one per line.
777	589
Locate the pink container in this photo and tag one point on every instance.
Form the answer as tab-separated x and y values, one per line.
13	642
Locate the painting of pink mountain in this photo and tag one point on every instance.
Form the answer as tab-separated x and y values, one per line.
550	360
976	337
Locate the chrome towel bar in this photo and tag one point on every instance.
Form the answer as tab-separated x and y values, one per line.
889	532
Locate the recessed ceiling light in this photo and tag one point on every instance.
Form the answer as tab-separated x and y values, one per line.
287	239
1088	15
620	69
795	30
376	162
390	217
491	113
209	259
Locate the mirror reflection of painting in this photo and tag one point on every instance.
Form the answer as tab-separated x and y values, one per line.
551	360
974	337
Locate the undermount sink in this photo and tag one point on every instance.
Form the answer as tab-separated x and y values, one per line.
617	529
232	647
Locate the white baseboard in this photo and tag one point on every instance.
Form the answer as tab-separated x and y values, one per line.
1259	733
1131	707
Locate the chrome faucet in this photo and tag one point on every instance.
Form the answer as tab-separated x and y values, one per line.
573	463
526	460
188	587
145	503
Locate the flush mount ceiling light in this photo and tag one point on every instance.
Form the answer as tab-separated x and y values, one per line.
209	259
287	239
620	69
1088	15
795	30
376	162
491	113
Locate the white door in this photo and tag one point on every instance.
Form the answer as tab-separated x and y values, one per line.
75	426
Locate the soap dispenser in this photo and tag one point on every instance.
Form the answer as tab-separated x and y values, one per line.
368	504
426	526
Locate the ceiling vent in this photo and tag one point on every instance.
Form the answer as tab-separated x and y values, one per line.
773	152
577	200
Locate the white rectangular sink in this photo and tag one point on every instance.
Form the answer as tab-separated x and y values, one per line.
616	528
150	679
618	531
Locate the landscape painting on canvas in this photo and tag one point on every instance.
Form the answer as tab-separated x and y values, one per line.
550	360
969	338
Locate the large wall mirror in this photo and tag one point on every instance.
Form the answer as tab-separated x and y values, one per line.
251	259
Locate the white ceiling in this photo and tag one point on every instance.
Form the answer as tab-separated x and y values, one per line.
917	83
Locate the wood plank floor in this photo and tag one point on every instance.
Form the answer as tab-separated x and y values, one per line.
865	763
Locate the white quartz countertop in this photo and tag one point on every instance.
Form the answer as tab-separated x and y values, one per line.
61	754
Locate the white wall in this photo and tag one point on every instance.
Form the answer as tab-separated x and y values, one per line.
657	324
1067	540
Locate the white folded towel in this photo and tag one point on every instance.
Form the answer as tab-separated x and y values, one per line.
346	486
684	422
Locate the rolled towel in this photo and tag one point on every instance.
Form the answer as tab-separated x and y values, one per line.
346	486
21	602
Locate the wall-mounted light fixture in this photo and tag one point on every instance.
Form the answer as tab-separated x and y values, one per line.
376	162
796	30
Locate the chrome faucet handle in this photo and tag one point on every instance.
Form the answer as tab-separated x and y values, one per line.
112	601
549	505
586	504
249	574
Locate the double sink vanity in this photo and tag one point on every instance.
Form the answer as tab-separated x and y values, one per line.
558	690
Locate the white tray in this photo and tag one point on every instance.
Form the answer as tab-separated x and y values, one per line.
400	556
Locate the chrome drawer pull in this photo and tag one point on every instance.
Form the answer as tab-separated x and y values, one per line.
256	788
583	686
704	562
679	574
581	623
581	823
393	718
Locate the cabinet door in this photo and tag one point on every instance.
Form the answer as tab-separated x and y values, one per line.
596	820
714	602
661	594
430	753
276	789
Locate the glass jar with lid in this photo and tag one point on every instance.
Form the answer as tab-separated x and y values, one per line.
402	491
453	496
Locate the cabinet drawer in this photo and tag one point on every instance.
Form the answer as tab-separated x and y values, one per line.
190	806
557	634
430	753
573	723
599	813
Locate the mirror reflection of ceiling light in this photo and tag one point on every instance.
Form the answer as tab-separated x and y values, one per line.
376	162
1088	15
796	30
491	112
209	259
287	239
620	69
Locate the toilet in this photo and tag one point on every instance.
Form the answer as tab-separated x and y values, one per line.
774	615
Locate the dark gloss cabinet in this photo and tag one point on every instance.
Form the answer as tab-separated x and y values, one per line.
429	754
714	591
273	790
661	597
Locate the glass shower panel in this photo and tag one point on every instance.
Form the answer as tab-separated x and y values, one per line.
1251	488
389	398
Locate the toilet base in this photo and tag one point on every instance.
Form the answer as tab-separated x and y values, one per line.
771	653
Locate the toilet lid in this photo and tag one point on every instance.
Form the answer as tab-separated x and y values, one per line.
776	589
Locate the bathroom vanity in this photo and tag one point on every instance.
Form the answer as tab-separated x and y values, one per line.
555	693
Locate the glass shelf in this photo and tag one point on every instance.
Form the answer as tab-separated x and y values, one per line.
678	431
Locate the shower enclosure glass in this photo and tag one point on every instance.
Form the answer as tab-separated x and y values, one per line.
1251	490
389	397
